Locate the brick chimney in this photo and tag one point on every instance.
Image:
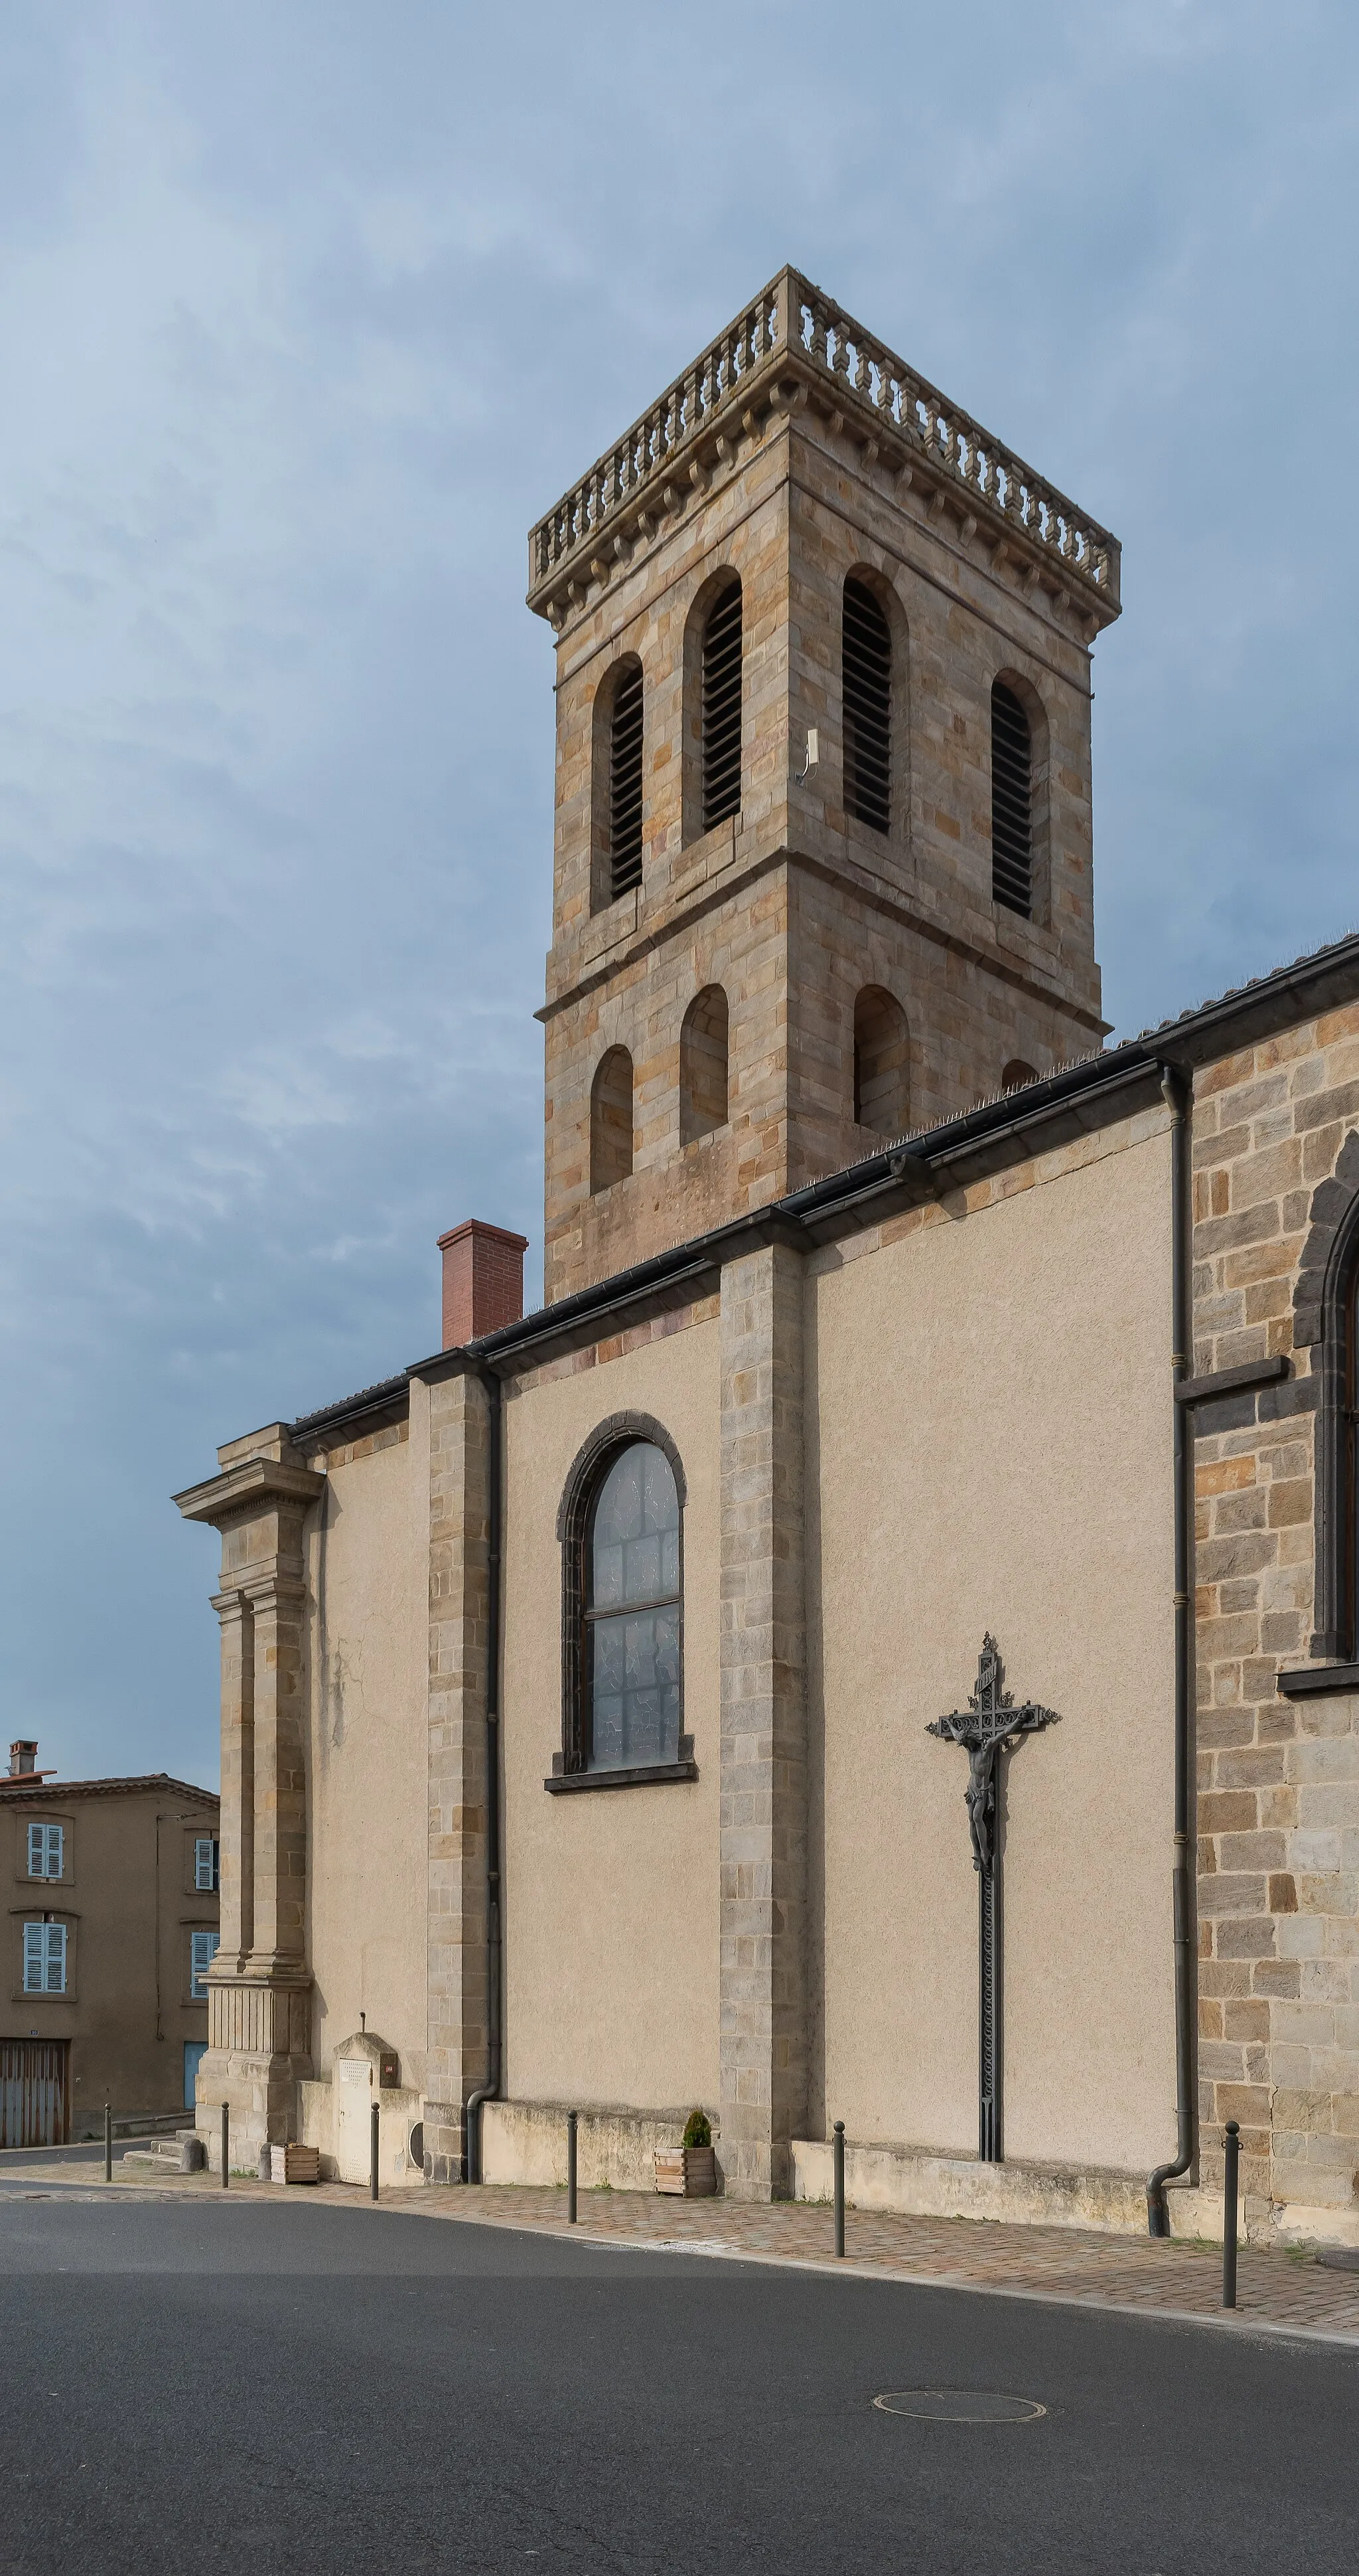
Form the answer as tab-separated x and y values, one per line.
23	1761
483	1280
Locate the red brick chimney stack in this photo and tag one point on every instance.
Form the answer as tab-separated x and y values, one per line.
483	1280
23	1761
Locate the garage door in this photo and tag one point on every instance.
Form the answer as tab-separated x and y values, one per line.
33	2092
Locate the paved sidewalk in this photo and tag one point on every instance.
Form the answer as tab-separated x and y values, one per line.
1278	2291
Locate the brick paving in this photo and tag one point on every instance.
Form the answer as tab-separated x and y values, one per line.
1277	2291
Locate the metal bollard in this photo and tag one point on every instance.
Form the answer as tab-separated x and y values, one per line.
571	2168
1232	2145
375	2132
108	2142
226	2144
839	2186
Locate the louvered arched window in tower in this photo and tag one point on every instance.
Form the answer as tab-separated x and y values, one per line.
720	711
866	662
1011	802
625	780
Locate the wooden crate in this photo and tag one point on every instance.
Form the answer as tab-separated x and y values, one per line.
690	2172
294	2163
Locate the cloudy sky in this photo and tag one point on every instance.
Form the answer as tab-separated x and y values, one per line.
306	310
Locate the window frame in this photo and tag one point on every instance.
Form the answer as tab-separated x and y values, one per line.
211	1885
51	1876
1326	1318
201	1932
1028	698
46	1928
627	669
858	777
574	1517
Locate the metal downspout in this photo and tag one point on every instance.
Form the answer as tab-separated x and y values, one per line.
471	2154
1178	1100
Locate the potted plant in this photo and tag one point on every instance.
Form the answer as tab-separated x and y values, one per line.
691	2168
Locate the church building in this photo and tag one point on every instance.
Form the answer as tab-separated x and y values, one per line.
879	1645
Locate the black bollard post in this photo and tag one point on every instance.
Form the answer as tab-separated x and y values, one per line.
375	2128
571	2168
1232	2145
839	2186
108	2142
226	2144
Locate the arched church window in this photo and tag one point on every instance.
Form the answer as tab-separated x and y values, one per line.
625	780
1326	1324
720	707
632	1614
621	1526
866	662
611	1120
882	1078
1016	1073
1011	802
703	1065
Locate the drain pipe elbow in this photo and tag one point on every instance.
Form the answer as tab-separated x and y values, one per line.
1178	1099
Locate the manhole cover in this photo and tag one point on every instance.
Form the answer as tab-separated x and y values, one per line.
960	2406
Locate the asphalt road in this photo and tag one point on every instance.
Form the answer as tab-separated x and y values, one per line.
215	2386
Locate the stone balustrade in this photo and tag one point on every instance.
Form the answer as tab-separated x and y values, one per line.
793	337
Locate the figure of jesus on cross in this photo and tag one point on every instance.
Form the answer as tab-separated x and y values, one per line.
988	1727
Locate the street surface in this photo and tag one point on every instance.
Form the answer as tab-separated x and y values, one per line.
216	2384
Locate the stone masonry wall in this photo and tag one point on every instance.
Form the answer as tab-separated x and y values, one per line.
794	907
1278	1808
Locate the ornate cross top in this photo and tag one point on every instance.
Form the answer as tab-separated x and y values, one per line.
990	1724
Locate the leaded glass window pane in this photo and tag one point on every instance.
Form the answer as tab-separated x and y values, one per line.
632	1614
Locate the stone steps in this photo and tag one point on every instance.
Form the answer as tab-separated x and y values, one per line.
184	2153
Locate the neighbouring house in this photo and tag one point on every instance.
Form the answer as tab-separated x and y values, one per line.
113	1925
765	1677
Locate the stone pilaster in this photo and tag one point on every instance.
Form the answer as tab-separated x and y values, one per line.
237	1846
259	1983
764	2044
277	1607
460	1646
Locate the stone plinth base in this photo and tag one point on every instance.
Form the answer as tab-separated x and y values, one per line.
443	2126
1295	2222
261	2096
525	2142
921	2185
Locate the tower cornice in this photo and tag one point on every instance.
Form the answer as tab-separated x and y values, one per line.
790	347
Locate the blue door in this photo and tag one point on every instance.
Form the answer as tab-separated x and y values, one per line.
193	2050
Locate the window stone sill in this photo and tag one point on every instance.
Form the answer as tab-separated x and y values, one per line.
642	1775
1318	1681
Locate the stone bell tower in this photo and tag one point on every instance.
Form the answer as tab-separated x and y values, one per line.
823	853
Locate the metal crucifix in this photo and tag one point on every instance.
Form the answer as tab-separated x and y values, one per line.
989	1726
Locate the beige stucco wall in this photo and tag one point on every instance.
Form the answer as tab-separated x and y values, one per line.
368	1556
611	1953
989	1419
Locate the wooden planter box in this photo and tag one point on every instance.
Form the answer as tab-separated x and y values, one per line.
689	2172
294	2164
